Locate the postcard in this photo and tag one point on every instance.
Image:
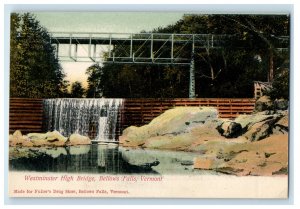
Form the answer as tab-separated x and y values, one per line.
149	105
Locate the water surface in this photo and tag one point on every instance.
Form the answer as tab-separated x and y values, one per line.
105	158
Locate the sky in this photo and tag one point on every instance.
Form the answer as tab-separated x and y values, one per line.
112	22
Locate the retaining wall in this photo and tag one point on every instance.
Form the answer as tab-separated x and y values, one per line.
27	114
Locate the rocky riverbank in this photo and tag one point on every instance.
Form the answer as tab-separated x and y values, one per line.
255	144
52	139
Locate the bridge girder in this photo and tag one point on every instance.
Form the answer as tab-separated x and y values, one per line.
143	48
147	48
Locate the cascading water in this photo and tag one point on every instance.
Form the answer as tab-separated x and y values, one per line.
96	118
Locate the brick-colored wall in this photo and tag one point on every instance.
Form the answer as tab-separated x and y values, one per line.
142	111
27	114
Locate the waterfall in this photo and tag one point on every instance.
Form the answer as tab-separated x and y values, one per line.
96	118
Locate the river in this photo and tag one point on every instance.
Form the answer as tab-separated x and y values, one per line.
102	158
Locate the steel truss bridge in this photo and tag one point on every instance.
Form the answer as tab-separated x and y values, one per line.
143	48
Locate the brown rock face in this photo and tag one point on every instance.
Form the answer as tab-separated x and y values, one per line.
261	158
260	130
204	163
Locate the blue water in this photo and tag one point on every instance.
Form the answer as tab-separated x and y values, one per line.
107	158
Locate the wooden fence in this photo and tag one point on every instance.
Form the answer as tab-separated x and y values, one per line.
141	111
27	114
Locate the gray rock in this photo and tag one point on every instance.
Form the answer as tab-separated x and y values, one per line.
187	162
260	130
281	104
172	123
282	125
248	120
263	103
283	122
230	129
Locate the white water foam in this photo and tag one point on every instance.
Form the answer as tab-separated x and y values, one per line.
83	116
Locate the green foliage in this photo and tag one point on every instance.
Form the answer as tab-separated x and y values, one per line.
280	85
77	91
34	70
220	72
95	88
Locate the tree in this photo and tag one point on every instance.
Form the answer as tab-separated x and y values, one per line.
34	69
95	81
77	91
64	89
249	53
280	86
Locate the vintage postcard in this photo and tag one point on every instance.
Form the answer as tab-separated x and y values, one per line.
149	105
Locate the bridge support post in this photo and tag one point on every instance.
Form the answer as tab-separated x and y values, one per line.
192	93
192	80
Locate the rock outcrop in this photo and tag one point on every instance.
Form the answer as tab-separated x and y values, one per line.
17	139
52	139
263	103
266	157
175	129
180	128
230	129
260	125
281	104
255	144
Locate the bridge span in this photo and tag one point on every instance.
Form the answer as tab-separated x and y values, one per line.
149	48
145	48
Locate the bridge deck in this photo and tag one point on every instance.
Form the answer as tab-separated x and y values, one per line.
148	48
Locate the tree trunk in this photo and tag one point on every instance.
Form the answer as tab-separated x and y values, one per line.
271	65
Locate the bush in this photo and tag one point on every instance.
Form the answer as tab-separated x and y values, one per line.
280	85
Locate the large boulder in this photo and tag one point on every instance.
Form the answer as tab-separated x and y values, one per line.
230	129
248	120
17	139
261	125
260	130
77	139
53	138
263	103
174	129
